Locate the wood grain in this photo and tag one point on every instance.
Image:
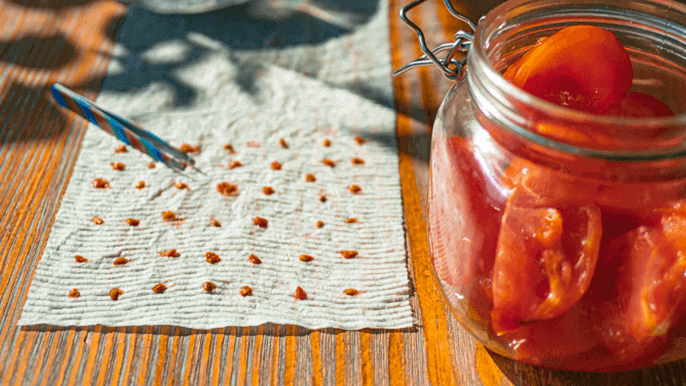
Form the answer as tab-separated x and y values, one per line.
71	41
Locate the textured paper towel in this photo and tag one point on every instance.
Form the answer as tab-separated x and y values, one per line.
249	99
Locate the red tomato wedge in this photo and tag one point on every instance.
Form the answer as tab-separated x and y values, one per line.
638	293
639	105
660	298
632	105
643	202
543	187
641	293
568	337
463	223
581	67
544	263
547	247
522	60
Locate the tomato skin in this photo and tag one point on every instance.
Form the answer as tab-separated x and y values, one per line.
543	187
540	271
639	293
581	67
614	294
554	339
639	105
462	253
662	296
514	67
547	247
640	203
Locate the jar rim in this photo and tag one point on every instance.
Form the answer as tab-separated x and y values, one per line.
480	56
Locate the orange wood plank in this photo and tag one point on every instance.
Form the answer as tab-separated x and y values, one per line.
243	362
92	354
217	362
257	357
110	338
230	353
74	370
366	359
66	355
23	337
39	372
317	371
291	356
133	337
162	354
31	336
441	367
275	355
145	355
396	359
118	359
30	192
175	353
340	358
207	358
191	357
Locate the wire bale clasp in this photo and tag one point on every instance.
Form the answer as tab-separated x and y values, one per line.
452	68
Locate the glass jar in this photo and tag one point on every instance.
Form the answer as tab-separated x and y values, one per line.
565	251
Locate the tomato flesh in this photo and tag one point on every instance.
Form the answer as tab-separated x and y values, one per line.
639	105
547	249
462	255
581	67
565	339
662	295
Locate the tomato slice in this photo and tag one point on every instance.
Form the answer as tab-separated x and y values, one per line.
514	67
568	338
616	296
463	222
547	247
660	301
638	294
581	67
543	187
544	263
639	105
643	202
632	105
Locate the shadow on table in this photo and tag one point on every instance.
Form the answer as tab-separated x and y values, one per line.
61	4
241	28
268	329
31	51
32	61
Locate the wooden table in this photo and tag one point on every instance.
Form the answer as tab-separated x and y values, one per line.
70	41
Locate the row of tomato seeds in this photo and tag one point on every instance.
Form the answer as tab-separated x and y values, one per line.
209	287
213	258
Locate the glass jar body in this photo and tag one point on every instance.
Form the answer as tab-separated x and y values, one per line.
563	252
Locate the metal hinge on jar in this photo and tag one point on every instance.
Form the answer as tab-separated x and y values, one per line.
451	67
